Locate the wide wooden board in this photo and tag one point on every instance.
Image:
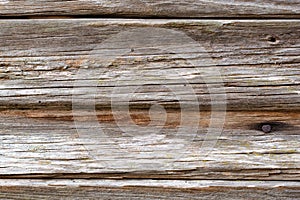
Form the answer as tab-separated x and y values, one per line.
245	65
48	144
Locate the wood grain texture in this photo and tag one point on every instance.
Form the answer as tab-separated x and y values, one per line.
259	65
63	96
148	8
47	144
147	189
258	62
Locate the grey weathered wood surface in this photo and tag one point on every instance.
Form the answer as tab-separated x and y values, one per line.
46	144
160	8
147	189
39	63
40	60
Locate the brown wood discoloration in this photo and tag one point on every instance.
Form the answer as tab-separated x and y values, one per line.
147	189
244	120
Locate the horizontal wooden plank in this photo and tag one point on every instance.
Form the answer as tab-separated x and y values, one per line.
48	144
147	189
56	72
244	65
148	8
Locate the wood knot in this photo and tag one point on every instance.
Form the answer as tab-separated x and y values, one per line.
272	39
270	126
266	128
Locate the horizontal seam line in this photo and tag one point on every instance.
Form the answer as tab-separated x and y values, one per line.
267	17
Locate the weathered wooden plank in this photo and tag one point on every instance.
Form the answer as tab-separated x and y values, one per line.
257	62
147	189
148	8
48	144
50	65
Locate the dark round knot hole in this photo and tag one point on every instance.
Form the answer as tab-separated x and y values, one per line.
266	128
271	39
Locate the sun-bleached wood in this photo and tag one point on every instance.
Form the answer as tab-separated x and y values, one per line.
41	138
47	144
43	61
159	8
258	62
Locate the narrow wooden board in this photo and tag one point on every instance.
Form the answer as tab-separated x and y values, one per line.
147	189
148	8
